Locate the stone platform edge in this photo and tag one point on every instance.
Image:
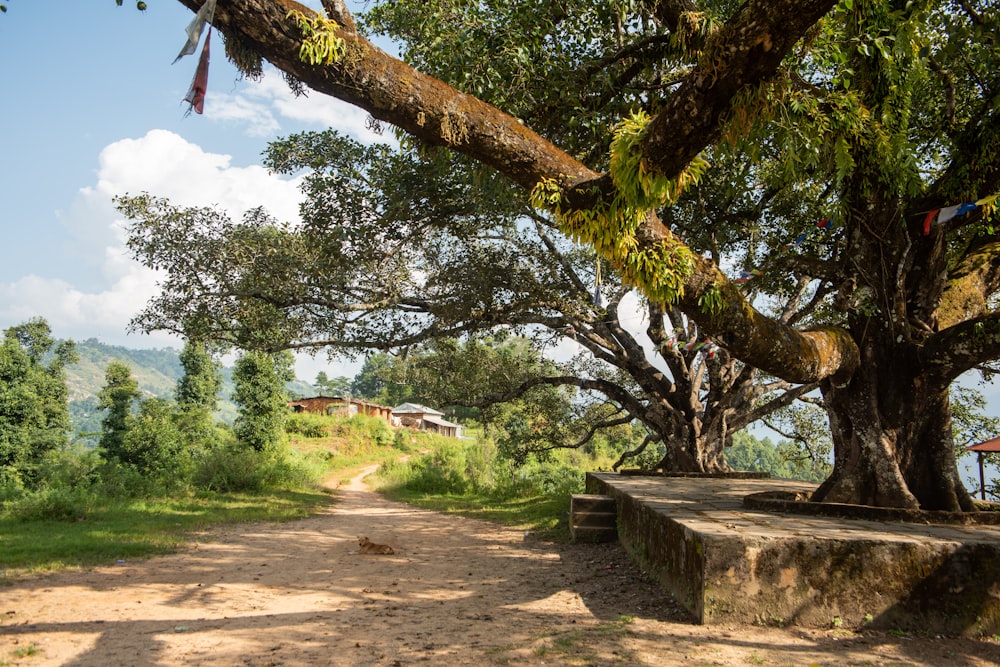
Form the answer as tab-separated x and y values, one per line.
933	586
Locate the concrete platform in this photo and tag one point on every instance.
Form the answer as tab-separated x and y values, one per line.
731	564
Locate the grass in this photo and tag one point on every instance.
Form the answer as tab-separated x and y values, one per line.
543	515
138	528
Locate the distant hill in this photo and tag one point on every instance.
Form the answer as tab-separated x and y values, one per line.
157	371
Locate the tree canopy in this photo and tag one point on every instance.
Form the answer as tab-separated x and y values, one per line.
740	128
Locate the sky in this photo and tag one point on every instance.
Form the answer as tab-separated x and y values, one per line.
94	109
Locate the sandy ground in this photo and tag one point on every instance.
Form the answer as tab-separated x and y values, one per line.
456	592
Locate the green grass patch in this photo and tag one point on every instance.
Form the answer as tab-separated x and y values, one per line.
469	478
138	528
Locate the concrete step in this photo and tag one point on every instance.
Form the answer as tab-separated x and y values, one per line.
593	518
590	502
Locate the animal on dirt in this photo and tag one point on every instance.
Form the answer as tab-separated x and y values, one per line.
369	547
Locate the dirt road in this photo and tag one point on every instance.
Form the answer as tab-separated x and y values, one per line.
456	592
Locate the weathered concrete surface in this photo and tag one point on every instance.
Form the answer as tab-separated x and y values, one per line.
731	564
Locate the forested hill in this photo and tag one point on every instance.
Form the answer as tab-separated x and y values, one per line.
156	370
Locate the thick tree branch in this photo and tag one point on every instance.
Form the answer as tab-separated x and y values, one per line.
963	346
785	399
970	284
745	53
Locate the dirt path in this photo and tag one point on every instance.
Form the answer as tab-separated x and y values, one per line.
456	592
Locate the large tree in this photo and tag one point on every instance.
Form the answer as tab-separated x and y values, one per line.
396	250
887	109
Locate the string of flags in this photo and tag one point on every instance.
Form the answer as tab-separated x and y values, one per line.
940	215
943	215
745	276
706	346
199	85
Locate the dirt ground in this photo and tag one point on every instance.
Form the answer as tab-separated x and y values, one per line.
456	592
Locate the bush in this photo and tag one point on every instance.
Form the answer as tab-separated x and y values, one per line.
307	425
230	468
118	481
52	504
11	485
459	467
75	468
239	469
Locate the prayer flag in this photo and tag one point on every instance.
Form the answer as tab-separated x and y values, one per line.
194	29
196	94
928	220
947	213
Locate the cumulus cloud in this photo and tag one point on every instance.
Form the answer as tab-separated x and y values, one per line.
100	299
73	313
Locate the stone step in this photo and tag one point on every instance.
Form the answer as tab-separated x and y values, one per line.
593	518
590	502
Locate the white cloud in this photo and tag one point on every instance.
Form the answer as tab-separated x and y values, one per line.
260	105
73	313
100	300
240	109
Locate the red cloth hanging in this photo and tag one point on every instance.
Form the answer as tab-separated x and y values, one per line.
196	94
928	220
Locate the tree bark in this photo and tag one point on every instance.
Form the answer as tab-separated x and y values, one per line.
883	460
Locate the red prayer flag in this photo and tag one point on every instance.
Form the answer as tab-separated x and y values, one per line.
196	94
928	220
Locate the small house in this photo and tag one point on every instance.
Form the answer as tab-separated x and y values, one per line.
422	418
333	405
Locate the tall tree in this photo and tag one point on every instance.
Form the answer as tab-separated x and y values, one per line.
260	380
337	386
844	113
34	398
376	381
198	388
119	396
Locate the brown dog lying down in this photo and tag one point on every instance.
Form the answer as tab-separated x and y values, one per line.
369	547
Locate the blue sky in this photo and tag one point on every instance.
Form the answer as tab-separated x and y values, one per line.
94	109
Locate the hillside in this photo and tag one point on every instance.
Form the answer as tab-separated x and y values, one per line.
157	371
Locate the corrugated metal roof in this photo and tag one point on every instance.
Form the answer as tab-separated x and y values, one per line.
415	407
441	422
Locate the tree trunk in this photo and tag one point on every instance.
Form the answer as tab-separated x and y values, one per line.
891	429
695	450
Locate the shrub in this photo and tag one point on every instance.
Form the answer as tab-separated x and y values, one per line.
236	469
230	468
116	480
75	468
52	504
11	485
307	425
